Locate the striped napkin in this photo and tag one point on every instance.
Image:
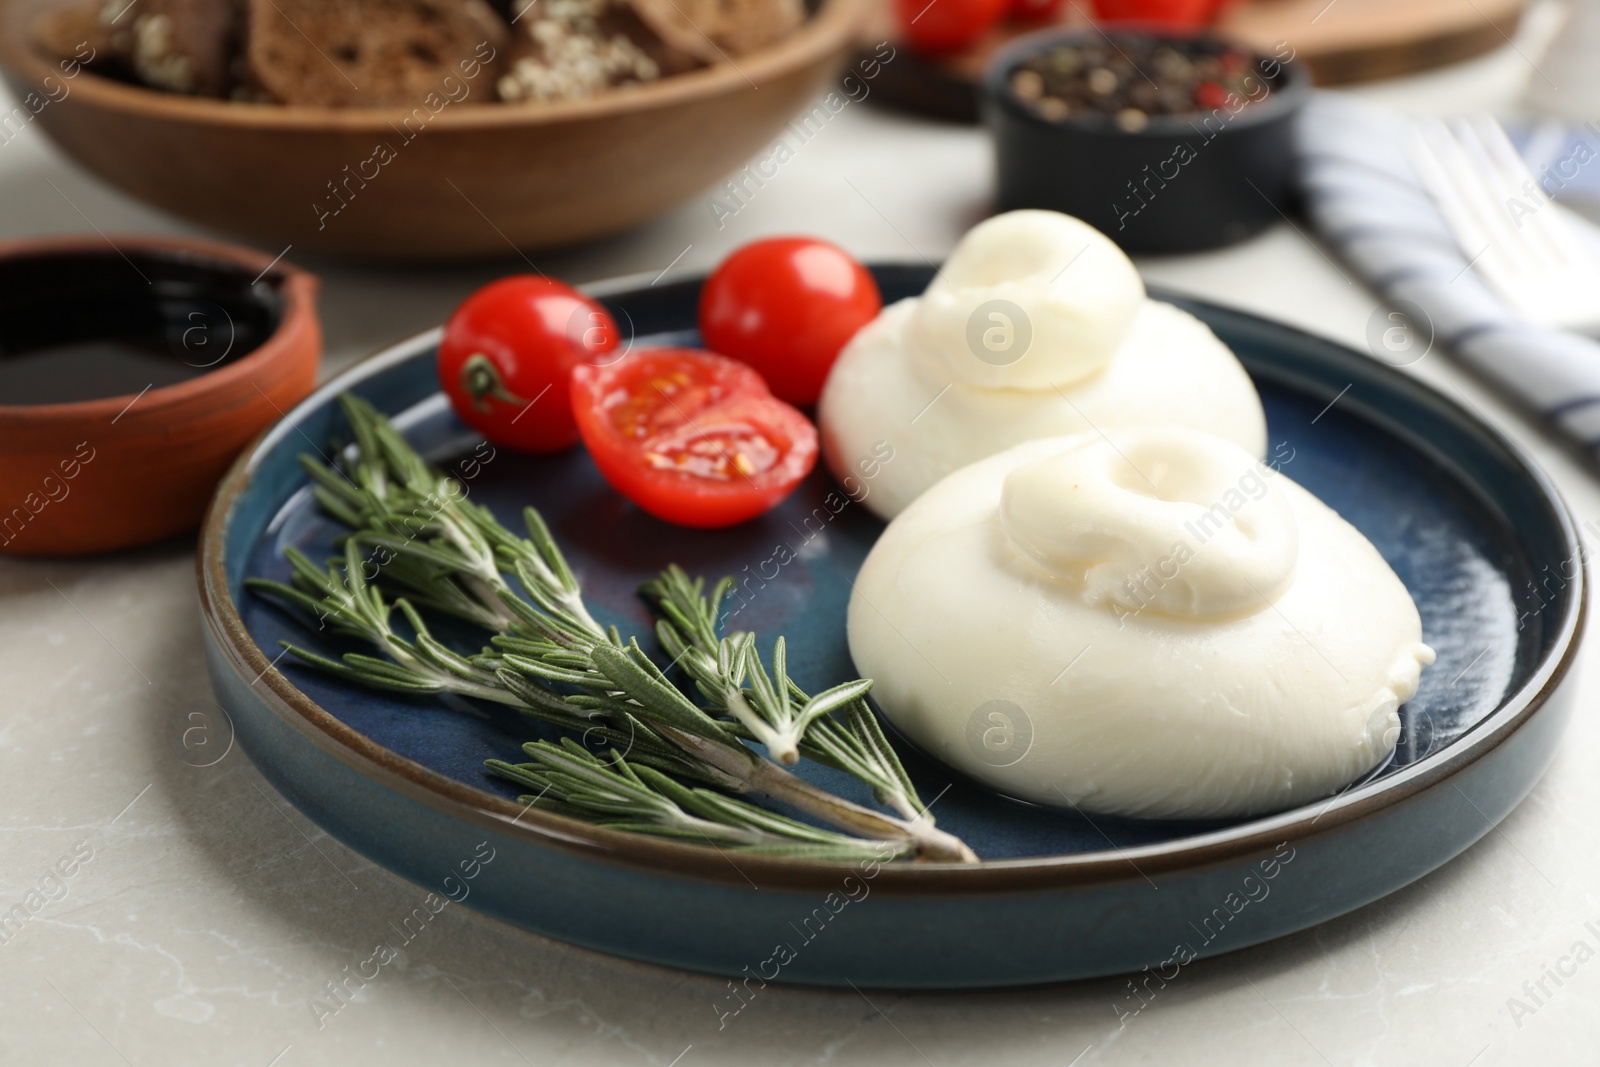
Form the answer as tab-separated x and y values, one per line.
1365	201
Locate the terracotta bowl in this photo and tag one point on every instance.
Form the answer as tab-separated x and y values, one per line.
472	180
228	340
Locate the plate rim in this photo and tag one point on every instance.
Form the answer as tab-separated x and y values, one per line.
652	855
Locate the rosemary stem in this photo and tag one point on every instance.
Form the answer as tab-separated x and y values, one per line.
933	844
780	743
902	803
484	691
762	776
484	592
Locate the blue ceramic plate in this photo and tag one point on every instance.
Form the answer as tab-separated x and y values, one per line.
1477	534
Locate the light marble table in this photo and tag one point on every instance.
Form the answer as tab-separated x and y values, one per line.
211	911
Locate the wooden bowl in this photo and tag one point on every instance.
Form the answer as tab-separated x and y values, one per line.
121	470
470	181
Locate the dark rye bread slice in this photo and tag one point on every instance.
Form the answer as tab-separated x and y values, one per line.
184	46
368	53
715	30
75	32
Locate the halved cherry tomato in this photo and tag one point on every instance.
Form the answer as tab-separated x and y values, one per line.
947	25
511	343
786	306
691	437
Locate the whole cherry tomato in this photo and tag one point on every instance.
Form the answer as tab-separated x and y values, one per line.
786	306
1036	10
511	343
691	437
947	25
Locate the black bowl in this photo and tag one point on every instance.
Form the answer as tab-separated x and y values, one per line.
1181	184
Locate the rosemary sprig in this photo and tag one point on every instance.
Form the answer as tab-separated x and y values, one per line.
414	531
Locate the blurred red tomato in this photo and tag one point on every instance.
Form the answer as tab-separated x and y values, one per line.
1161	12
947	25
1038	10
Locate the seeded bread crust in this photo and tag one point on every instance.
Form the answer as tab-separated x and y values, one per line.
619	17
575	49
368	53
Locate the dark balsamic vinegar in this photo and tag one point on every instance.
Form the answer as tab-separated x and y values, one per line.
87	326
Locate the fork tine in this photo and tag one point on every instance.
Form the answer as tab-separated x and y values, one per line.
1494	187
1539	268
1514	179
1427	157
1547	228
1452	179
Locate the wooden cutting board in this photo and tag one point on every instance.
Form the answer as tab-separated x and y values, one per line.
1342	41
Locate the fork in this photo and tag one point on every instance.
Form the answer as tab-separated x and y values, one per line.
1521	243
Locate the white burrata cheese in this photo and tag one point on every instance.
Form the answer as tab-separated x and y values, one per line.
1037	326
1151	624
